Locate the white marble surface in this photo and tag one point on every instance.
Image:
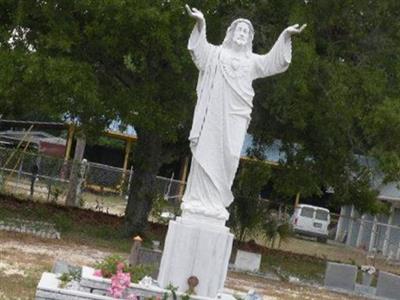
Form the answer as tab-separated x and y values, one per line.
223	109
196	249
48	289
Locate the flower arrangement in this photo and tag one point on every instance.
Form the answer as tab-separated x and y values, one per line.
108	267
114	268
120	282
368	269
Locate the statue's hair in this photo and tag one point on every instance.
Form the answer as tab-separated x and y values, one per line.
231	29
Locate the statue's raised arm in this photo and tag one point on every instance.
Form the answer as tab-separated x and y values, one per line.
197	15
198	45
294	29
277	60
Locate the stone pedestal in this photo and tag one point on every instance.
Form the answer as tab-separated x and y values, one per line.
196	248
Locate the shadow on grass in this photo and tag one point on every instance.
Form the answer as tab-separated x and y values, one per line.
84	226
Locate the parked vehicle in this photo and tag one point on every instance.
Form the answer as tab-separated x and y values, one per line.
313	221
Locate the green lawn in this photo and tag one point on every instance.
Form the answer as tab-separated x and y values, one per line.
287	264
93	228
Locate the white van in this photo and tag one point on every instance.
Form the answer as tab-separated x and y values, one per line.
311	221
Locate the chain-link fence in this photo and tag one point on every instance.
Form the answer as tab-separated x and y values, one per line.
100	187
107	189
26	174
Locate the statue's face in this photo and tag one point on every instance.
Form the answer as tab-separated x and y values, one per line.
241	34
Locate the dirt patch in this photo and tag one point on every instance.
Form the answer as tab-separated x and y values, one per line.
10	269
28	249
29	256
274	290
24	258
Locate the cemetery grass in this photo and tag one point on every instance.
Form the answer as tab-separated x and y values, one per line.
92	228
103	202
27	257
98	231
287	265
101	230
19	274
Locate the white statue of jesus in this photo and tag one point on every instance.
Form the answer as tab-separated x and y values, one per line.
223	109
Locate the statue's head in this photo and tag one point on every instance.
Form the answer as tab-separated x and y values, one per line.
240	32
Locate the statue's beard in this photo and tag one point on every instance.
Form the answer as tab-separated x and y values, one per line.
240	42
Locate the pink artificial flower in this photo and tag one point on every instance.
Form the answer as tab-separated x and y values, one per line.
98	273
132	297
117	294
120	266
119	283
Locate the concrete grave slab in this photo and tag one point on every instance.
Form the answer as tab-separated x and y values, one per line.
388	286
61	266
247	261
49	289
340	276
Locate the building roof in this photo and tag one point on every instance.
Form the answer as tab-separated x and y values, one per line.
36	124
34	137
387	191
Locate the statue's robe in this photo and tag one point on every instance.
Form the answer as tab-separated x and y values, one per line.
221	118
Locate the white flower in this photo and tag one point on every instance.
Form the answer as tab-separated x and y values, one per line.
368	269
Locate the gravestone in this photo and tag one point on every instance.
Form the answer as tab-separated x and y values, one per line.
364	290
133	256
340	276
247	261
388	286
61	266
150	257
144	256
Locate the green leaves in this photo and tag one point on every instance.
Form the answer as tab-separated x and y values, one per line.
97	61
337	99
248	211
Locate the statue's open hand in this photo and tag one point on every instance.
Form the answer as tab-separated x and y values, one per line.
295	29
194	13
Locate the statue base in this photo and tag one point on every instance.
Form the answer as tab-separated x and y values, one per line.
196	248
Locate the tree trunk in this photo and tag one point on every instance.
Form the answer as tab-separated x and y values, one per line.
143	188
72	196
